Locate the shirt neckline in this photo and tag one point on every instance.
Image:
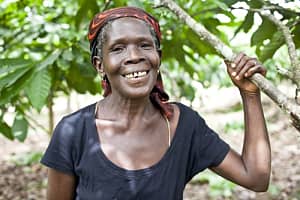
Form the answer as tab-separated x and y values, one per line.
118	170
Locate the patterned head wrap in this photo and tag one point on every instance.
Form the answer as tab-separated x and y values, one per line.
102	18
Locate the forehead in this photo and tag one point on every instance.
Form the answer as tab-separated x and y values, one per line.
128	27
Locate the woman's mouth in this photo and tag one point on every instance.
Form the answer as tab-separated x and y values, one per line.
136	75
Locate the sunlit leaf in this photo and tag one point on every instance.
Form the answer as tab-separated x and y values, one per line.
12	64
268	50
84	9
247	23
50	59
6	130
38	89
7	93
9	79
264	31
20	128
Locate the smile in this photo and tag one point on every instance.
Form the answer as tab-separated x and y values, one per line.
135	75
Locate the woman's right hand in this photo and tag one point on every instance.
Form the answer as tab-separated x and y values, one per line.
241	69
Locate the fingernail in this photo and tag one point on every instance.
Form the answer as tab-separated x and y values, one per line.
233	65
246	74
233	73
237	78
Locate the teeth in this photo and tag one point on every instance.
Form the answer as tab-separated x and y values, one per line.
136	75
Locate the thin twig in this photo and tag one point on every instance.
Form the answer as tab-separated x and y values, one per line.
107	2
285	72
36	123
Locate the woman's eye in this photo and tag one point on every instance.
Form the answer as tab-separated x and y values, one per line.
117	49
146	46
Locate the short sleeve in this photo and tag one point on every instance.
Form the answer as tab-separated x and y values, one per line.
59	154
208	149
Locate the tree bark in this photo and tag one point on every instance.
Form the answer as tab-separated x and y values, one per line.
226	52
50	114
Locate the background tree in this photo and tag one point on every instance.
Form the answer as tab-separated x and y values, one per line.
45	51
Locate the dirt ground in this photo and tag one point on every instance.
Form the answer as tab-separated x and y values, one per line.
28	182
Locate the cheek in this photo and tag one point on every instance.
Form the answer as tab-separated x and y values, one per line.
155	60
110	65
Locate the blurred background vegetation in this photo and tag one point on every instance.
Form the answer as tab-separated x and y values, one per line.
44	51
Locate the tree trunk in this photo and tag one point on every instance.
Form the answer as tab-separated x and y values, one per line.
50	114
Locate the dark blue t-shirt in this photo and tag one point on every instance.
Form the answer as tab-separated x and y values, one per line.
75	149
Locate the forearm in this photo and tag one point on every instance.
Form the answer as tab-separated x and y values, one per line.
256	153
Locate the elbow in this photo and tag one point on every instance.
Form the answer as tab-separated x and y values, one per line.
261	188
261	184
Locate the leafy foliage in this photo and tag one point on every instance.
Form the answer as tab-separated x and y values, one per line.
26	159
44	49
218	185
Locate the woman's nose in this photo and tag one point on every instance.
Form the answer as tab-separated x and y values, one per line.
134	55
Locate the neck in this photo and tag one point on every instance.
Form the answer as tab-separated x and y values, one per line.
115	107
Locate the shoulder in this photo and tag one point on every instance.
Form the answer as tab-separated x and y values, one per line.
185	112
79	114
186	119
71	124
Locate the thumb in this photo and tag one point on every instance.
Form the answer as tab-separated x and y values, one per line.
229	66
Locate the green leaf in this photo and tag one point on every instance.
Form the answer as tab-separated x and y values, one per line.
26	159
11	64
84	9
296	33
230	2
9	92
221	5
6	130
9	79
38	89
81	78
247	23
20	127
268	50
255	3
264	31
50	59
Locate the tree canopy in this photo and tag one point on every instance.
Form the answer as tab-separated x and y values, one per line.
45	51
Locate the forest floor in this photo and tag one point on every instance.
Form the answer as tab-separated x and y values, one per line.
23	178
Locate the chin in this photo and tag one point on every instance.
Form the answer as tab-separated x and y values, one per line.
137	93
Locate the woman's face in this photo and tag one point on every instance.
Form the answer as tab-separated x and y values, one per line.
130	58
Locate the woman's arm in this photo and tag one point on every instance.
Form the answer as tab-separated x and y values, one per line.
252	168
61	186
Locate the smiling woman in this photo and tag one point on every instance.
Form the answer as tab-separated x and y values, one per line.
130	59
133	143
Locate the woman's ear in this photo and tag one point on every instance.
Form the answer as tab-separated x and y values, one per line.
159	54
97	62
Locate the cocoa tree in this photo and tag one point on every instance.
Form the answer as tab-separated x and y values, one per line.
283	101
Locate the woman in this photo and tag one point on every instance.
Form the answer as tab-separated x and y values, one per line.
133	144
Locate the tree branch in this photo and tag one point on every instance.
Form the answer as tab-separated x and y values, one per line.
223	50
284	72
290	44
